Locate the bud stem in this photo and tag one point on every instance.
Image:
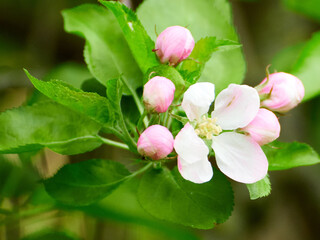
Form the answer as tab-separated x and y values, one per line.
113	143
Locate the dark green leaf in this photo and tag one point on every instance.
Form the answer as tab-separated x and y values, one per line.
170	73
192	68
107	53
307	67
51	235
283	155
139	41
203	18
89	104
166	195
260	189
47	124
86	182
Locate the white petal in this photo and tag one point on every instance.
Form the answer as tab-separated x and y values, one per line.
198	172
236	106
239	157
189	146
197	99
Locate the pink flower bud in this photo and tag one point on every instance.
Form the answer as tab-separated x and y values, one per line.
155	142
283	92
158	94
174	44
264	128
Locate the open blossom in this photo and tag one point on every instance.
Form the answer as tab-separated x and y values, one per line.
282	92
155	142
264	128
237	155
174	44
158	94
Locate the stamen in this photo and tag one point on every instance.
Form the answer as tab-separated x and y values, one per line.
207	127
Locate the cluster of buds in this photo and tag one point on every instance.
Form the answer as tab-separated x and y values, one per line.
239	115
279	92
173	45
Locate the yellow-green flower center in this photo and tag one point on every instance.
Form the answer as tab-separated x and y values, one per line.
206	127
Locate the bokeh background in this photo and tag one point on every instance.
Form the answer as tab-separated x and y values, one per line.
32	37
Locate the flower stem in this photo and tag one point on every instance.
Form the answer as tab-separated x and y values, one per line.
141	170
113	143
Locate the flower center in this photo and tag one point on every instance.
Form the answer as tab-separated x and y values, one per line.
207	127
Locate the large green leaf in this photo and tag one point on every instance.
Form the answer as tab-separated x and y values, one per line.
89	104
107	53
166	195
283	155
203	18
86	182
139	41
259	189
47	124
307	67
191	69
309	8
70	72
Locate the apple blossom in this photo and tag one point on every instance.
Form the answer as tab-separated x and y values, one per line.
264	128
158	94
155	142
281	92
174	44
238	156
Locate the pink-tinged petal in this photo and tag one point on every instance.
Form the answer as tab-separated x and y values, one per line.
158	94
264	128
174	44
189	146
197	172
239	157
197	99
236	106
155	142
285	92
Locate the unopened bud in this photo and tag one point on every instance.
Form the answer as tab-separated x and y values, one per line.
158	94
281	92
155	142
174	44
264	128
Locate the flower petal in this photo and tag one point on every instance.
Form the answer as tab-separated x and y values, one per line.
239	157
197	99
236	106
189	146
197	172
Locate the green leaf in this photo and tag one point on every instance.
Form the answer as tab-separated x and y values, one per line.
192	68
51	235
47	124
309	8
89	104
203	18
307	67
166	195
86	182
70	72
106	52
139	41
170	73
283	155
260	189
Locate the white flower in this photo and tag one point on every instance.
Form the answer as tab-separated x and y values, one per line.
238	156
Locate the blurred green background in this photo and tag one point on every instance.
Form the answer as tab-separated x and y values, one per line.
271	31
